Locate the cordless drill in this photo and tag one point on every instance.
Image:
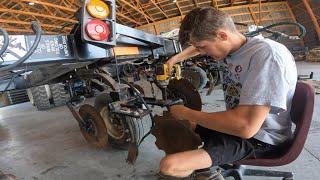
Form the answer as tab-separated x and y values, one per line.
163	74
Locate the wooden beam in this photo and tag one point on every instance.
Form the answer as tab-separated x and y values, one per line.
293	17
178	6
253	15
297	5
215	3
271	19
195	3
136	9
11	7
141	9
260	6
127	18
132	17
156	5
36	14
134	13
232	2
28	8
15	30
49	5
28	23
278	9
313	17
156	29
255	5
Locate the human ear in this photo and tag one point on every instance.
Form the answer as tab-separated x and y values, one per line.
222	35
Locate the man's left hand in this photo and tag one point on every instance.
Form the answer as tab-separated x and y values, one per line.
179	111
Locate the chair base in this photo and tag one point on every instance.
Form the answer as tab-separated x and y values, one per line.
238	171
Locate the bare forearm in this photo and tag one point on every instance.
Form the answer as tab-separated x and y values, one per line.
243	121
185	54
225	122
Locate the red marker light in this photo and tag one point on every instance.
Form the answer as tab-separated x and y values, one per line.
97	30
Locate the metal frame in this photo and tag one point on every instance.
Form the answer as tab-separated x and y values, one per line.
75	53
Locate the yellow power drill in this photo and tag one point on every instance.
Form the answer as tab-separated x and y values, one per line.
163	75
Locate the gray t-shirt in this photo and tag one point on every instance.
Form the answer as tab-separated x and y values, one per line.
262	72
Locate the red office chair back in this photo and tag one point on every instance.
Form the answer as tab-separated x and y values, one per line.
301	115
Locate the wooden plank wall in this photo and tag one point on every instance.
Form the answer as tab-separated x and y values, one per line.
271	12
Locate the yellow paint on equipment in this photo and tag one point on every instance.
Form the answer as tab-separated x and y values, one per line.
177	69
120	51
162	72
98	9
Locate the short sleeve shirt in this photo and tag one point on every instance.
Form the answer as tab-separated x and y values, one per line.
262	72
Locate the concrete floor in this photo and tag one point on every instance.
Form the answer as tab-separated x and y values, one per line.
48	145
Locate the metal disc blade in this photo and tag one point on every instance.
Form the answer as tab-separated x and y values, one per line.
92	126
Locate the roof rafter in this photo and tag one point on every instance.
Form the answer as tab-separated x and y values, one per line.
36	14
136	9
156	5
178	6
130	19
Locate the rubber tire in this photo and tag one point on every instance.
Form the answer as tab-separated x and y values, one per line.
40	98
59	94
101	101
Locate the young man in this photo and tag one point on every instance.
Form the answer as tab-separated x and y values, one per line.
259	79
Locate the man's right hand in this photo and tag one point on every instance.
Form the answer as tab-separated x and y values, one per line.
171	62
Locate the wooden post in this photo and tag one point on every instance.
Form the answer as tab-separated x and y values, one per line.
312	16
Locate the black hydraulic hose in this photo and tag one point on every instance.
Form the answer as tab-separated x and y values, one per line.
37	29
267	29
5	41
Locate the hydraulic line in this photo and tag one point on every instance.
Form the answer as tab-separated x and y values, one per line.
267	29
37	29
5	41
